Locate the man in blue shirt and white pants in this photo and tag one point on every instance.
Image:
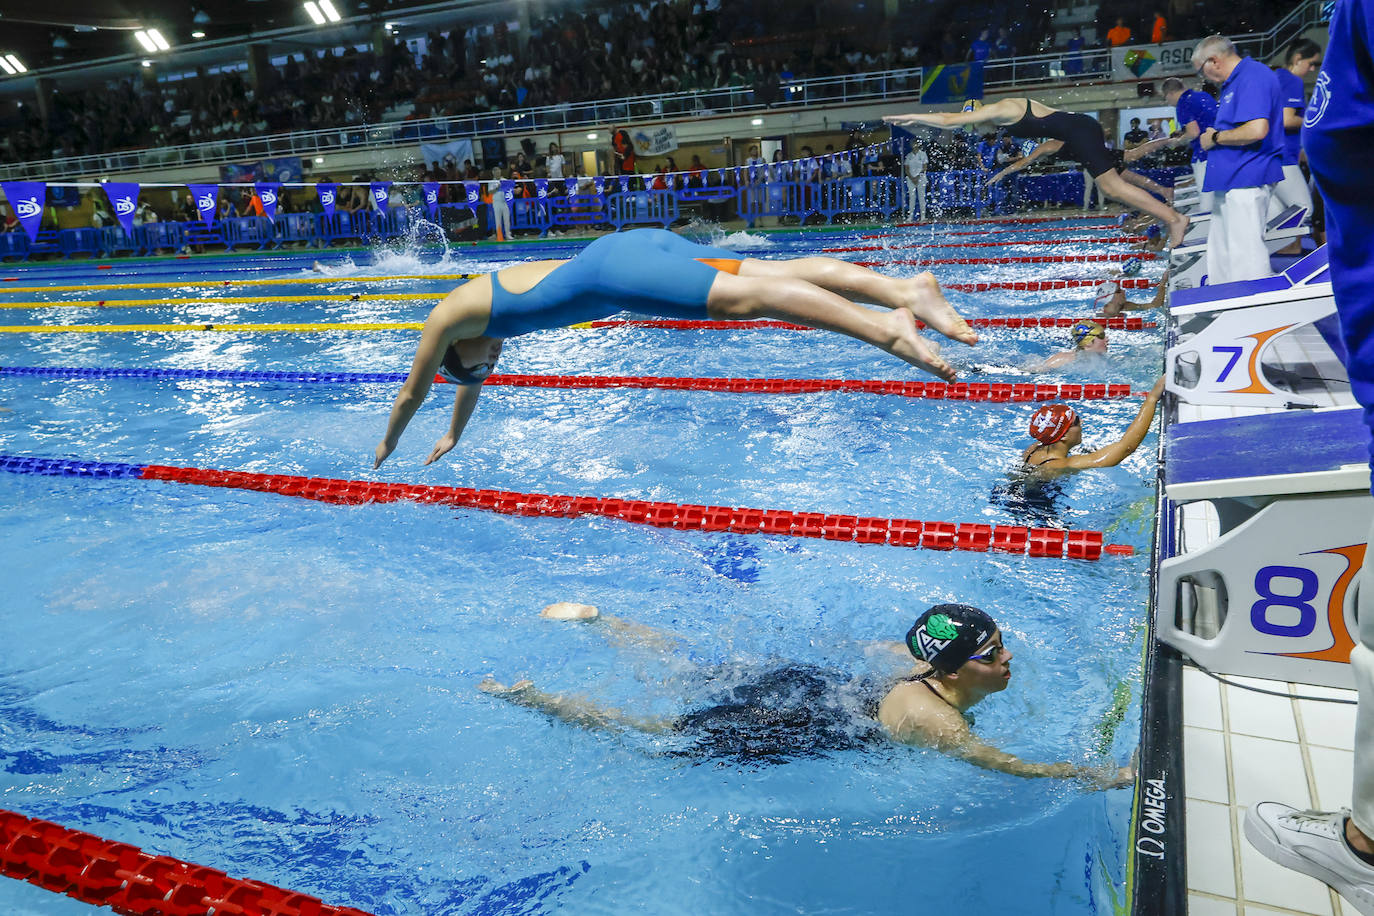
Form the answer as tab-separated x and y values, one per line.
1337	847
1195	111
1244	159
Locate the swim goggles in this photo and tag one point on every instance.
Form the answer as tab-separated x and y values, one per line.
990	656
1085	331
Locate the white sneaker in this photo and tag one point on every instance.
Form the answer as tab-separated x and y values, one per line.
1312	842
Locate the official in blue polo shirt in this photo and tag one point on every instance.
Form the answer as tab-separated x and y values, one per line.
1195	111
1244	159
1304	55
1338	136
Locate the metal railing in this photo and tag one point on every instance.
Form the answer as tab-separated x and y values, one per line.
889	85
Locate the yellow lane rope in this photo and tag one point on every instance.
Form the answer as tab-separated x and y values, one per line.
277	282
181	328
227	300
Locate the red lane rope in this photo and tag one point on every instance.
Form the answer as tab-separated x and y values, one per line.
1108	240
935	391
1032	285
900	532
1024	220
129	881
686	324
1022	259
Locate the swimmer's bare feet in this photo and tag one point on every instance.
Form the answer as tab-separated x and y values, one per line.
905	343
567	610
1178	228
927	302
493	686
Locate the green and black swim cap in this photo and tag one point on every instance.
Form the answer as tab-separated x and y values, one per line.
948	635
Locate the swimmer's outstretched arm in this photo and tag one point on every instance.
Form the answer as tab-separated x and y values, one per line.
1006	111
1121	304
578	711
1118	451
1048	148
952	736
450	320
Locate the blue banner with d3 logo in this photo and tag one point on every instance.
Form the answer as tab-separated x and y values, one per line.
381	192
206	197
123	197
431	189
26	200
541	188
952	83
268	192
472	192
570	185
329	193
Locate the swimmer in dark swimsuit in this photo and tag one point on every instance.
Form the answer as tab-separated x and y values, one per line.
1082	139
1058	430
656	272
802	710
1119	159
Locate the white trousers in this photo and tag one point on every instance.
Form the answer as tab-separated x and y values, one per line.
915	194
1235	241
500	212
1292	190
1199	173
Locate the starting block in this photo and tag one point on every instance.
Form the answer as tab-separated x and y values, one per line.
1188	262
1274	595
1268	343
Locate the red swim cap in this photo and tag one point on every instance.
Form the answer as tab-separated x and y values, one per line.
1052	422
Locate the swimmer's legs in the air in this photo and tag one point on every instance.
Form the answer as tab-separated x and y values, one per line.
1149	184
1117	188
921	294
790	299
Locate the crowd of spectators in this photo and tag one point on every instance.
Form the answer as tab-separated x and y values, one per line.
617	50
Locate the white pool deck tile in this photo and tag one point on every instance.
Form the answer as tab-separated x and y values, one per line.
1242	747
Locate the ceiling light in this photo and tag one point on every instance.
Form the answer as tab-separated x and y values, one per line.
5	65
146	41
591	136
201	18
197	34
327	8
757	122
319	160
14	62
147	63
158	40
60	42
315	15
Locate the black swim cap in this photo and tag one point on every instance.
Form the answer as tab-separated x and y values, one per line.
948	635
452	368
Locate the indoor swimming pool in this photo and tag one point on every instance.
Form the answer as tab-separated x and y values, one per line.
286	689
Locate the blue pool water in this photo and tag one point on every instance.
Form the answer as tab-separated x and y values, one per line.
285	689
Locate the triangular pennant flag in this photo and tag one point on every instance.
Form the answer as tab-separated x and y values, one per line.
206	197
508	191
329	194
570	185
26	200
381	192
541	188
431	189
472	191
123	197
267	192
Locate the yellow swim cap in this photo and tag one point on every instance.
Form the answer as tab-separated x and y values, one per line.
972	104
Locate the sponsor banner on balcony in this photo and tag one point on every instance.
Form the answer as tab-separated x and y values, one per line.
450	155
952	83
1172	58
206	197
26	200
123	197
654	141
283	169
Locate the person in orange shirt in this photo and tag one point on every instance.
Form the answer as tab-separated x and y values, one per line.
1160	29
1119	34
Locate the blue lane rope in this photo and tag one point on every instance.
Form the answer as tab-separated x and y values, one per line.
228	375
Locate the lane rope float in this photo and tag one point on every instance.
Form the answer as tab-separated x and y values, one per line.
279	281
938	391
130	881
1059	543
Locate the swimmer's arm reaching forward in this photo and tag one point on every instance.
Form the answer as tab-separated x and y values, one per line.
948	732
457	317
1048	148
1118	451
1006	111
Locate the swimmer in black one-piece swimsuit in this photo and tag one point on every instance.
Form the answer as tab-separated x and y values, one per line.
1081	136
797	710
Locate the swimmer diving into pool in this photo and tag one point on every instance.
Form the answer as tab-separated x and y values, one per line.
799	710
657	272
1082	139
1057	429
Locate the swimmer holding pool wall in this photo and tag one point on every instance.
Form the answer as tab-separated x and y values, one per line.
1057	429
803	710
1082	139
657	272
